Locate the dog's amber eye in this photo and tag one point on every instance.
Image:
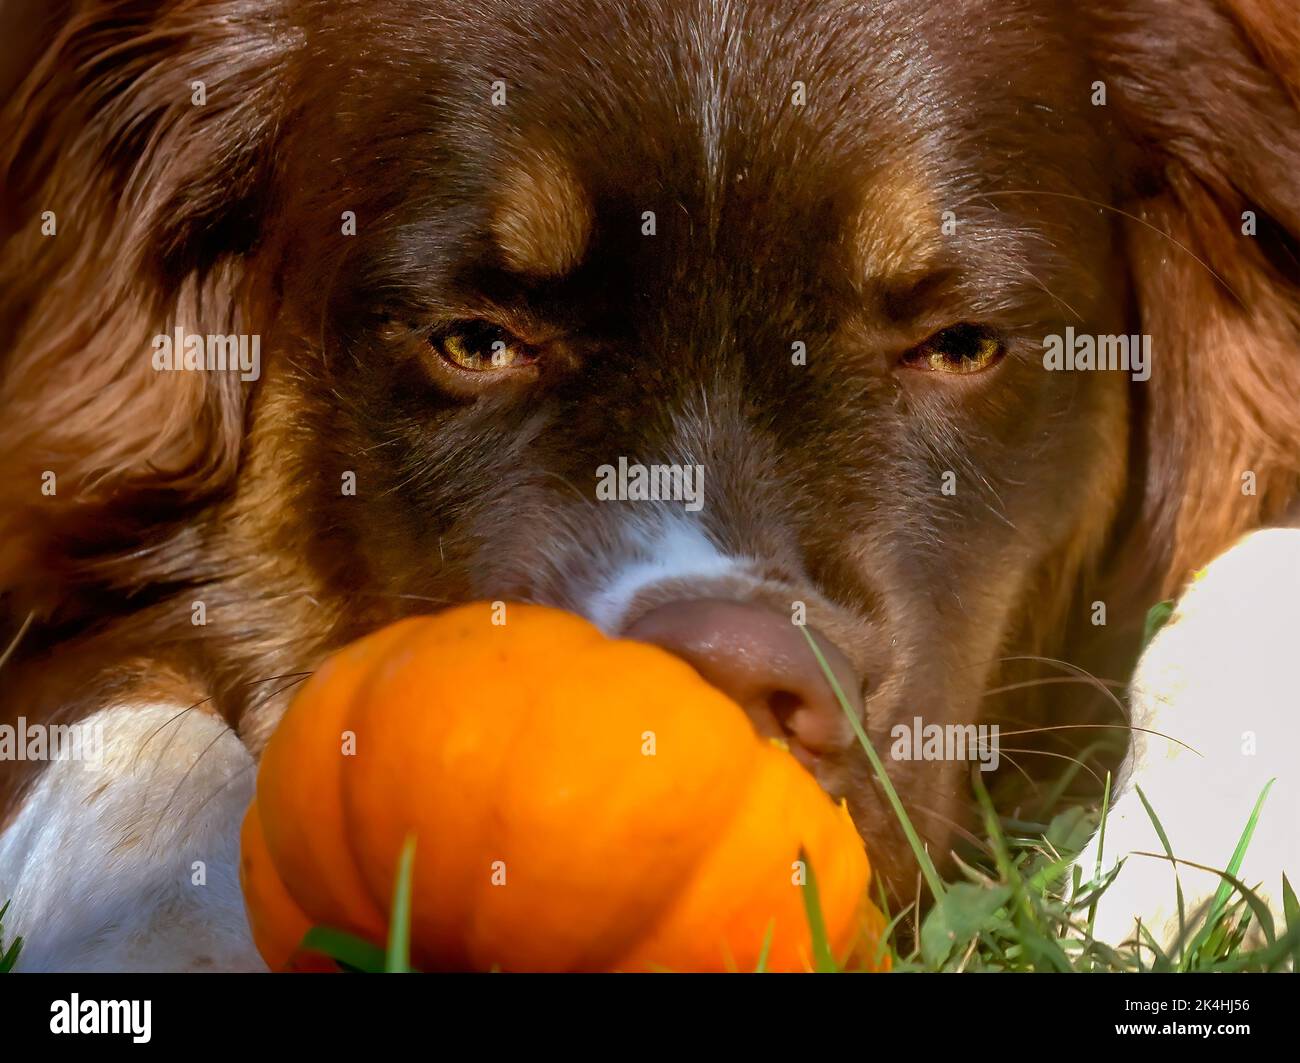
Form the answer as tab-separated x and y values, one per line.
964	348
480	346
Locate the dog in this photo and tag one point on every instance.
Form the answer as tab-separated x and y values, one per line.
971	327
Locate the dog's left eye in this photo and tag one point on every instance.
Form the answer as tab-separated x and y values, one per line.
964	348
480	346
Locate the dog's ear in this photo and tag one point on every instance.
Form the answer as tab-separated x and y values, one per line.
135	159
1208	92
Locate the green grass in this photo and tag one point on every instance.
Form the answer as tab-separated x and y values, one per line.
823	956
1021	909
355	954
1022	904
8	956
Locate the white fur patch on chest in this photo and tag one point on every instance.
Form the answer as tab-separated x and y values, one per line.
131	863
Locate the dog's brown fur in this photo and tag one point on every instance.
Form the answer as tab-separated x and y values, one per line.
177	487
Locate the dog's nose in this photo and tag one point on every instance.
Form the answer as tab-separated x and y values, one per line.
761	660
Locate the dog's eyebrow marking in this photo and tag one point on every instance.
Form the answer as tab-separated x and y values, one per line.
543	219
897	236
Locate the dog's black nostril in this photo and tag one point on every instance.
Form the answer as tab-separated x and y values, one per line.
783	705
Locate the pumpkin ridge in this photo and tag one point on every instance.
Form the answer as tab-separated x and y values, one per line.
382	903
354	820
600	953
478	911
780	775
697	867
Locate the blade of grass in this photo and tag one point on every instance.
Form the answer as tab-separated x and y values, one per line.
1252	899
932	879
1049	873
888	933
1091	892
1180	953
398	959
1291	909
1162	963
823	958
1036	943
8	957
1239	853
342	947
1101	848
1270	957
1157	616
762	954
1227	880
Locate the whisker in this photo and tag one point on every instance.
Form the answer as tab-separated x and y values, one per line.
1076	670
223	733
298	677
248	599
1015	764
1047	680
421	597
925	810
162	753
1123	213
301	677
166	723
215	793
1051	294
1107	727
1058	756
13	643
203	701
1041	659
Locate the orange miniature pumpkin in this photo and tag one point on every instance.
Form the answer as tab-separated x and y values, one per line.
579	803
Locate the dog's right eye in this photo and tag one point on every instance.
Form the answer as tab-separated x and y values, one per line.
964	348
481	347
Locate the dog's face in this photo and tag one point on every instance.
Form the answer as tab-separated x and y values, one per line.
586	234
499	261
